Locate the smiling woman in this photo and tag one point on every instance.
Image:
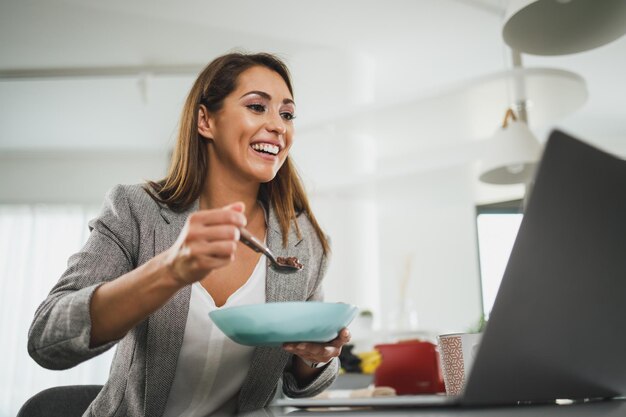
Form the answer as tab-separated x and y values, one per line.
162	255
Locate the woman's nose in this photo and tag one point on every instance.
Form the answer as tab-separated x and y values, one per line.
276	124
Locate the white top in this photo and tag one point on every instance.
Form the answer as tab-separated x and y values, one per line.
211	368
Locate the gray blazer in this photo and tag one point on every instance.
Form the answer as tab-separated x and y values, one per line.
131	229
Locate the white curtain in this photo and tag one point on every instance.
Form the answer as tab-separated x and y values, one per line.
35	243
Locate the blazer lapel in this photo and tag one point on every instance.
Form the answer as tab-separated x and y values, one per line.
268	363
166	326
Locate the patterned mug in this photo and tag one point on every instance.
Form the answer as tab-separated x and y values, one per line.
457	353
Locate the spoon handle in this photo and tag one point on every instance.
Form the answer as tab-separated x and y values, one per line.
253	243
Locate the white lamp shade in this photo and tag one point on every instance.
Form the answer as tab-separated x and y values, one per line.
549	95
512	155
559	27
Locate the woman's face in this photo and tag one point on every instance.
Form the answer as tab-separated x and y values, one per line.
252	133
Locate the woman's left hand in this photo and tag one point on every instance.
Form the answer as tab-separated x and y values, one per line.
319	352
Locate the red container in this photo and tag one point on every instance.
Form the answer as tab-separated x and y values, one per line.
410	367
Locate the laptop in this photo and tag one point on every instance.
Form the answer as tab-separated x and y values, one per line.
557	329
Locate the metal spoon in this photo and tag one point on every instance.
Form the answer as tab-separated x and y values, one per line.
256	245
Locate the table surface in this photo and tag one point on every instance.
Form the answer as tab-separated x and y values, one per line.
611	408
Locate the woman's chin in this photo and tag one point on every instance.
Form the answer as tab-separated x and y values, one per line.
264	173
263	176
267	179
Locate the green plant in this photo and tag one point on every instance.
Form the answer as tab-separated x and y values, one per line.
480	325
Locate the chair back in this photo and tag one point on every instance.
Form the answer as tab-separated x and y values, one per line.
66	401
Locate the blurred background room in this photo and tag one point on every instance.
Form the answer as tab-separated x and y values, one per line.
400	109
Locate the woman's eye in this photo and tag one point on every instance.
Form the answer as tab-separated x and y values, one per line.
259	108
288	116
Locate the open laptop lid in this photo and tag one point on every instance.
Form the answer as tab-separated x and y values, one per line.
558	325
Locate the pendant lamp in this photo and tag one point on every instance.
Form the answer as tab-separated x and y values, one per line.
560	27
512	155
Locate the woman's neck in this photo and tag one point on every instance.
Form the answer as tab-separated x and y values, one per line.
221	190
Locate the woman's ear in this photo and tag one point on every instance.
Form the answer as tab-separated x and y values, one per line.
205	123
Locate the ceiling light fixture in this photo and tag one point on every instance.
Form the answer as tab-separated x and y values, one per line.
560	27
512	155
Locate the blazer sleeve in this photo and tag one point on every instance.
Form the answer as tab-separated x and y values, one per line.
329	372
61	329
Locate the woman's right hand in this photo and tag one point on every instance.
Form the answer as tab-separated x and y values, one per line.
208	241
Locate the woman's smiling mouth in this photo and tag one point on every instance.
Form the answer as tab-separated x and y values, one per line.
265	149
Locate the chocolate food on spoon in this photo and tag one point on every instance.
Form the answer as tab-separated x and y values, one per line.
290	260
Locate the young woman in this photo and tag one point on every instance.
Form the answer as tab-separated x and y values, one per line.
162	255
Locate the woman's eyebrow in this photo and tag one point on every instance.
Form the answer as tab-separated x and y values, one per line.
267	96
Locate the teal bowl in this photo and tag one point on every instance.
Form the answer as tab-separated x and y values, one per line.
273	324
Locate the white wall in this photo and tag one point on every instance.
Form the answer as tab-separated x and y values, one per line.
73	176
426	220
429	222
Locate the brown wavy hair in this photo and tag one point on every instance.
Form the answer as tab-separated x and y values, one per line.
187	172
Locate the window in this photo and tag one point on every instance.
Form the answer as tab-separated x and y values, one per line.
497	227
35	243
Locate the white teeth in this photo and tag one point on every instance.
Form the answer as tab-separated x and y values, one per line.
266	147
